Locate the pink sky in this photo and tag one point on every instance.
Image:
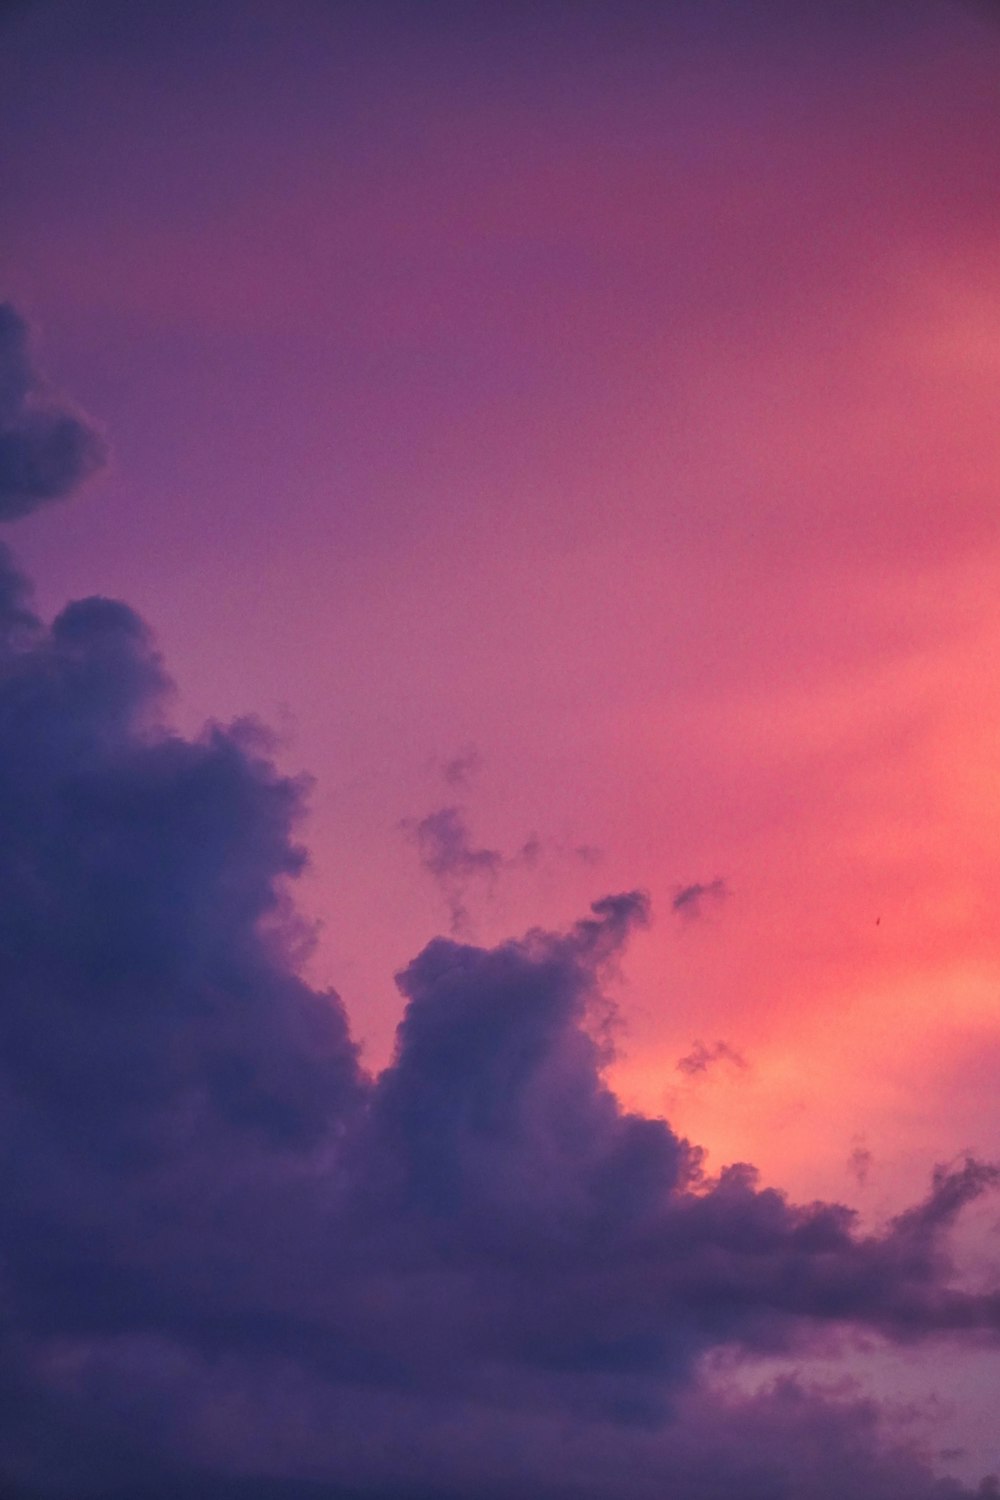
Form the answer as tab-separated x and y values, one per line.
620	401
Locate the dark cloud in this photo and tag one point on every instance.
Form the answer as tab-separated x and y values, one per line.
689	900
701	1057
233	1265
228	1253
45	448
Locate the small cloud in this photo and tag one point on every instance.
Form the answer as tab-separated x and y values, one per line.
689	899
446	851
529	853
702	1057
462	767
859	1163
46	449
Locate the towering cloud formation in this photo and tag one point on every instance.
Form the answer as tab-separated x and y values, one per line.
45	449
232	1264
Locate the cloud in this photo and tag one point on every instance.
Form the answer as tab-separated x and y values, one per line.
860	1162
701	1057
227	1252
233	1264
46	449
446	851
459	770
689	900
448	854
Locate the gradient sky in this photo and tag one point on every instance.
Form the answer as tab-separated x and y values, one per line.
574	429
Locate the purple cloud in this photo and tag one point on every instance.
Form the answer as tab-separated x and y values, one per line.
446	851
46	449
214	1220
234	1265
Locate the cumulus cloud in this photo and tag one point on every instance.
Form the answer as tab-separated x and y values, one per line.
226	1251
232	1264
45	448
689	900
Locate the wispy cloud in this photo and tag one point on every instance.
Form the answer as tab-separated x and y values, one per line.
860	1163
702	1057
690	900
461	768
447	852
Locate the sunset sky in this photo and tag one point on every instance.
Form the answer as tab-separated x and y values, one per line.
571	428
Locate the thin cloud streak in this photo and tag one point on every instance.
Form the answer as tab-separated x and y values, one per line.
690	900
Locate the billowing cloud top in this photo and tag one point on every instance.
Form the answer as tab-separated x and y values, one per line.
230	1259
45	448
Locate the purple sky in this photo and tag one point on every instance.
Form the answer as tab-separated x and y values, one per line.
572	430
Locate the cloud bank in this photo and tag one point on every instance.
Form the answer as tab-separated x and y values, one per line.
234	1264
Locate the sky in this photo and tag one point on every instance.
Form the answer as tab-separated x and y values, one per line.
500	639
